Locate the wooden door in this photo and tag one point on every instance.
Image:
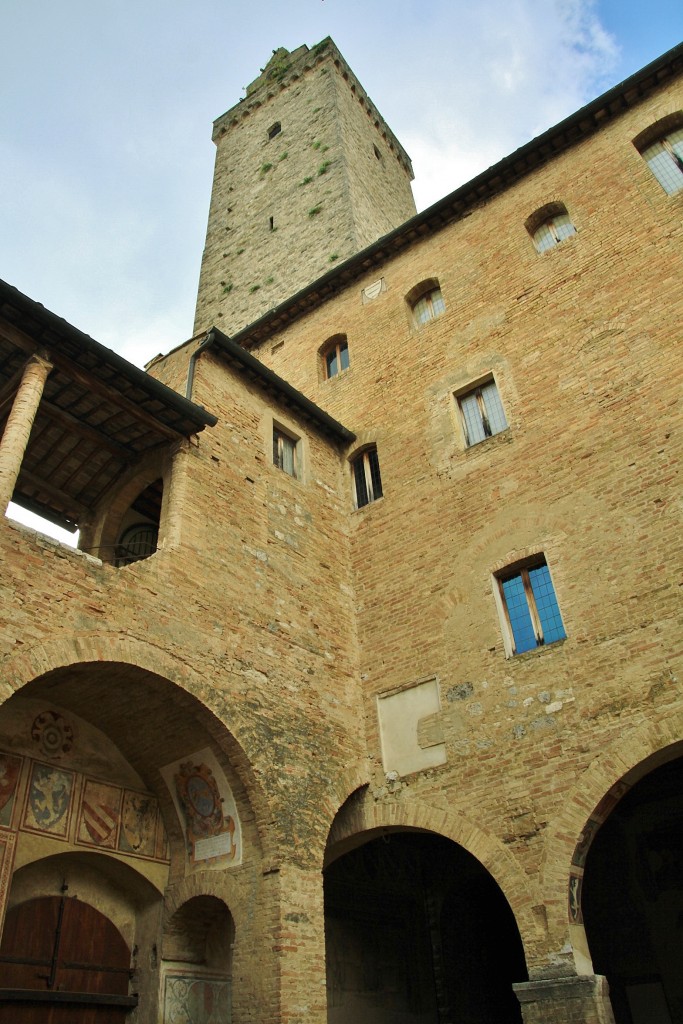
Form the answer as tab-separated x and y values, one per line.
62	962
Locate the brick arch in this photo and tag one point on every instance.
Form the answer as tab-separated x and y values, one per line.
20	669
215	885
627	759
367	815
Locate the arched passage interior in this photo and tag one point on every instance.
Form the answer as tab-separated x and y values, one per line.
418	932
101	765
632	899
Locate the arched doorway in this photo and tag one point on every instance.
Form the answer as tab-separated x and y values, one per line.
109	771
418	932
63	961
632	899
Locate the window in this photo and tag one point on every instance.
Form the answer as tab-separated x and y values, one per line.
366	477
284	452
549	226
274	130
336	356
531	614
429	305
664	157
481	413
137	542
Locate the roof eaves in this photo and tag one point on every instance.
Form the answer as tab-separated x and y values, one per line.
237	356
459	203
55	328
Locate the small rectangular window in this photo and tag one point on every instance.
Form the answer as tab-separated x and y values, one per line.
530	609
366	477
481	413
284	452
336	357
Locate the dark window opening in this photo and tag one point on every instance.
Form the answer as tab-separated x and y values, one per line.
366	477
274	130
139	535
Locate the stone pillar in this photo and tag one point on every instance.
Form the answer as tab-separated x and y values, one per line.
173	503
299	944
19	424
582	999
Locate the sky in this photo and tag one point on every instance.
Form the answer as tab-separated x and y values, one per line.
106	156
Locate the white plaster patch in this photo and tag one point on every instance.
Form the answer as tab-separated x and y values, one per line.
400	713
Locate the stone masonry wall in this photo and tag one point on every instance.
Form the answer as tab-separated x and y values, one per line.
250	613
285	210
582	342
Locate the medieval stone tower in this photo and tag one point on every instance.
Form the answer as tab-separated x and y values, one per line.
307	174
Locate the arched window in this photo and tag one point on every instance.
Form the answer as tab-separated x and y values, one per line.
426	301
274	130
661	147
139	534
367	481
549	226
335	356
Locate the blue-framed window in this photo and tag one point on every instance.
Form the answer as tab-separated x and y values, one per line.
530	606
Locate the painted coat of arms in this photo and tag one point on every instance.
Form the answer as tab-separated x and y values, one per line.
10	766
49	799
202	805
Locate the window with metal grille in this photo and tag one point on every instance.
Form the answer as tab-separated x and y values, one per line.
481	413
336	356
284	452
428	306
137	542
366	477
531	615
664	157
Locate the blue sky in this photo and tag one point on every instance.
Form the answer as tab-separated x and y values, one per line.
105	126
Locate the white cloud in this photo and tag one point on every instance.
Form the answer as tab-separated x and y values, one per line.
534	62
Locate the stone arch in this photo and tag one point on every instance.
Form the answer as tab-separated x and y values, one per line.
627	759
101	537
200	931
361	815
117	889
73	650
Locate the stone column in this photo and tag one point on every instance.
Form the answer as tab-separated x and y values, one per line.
173	504
298	940
581	999
19	424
